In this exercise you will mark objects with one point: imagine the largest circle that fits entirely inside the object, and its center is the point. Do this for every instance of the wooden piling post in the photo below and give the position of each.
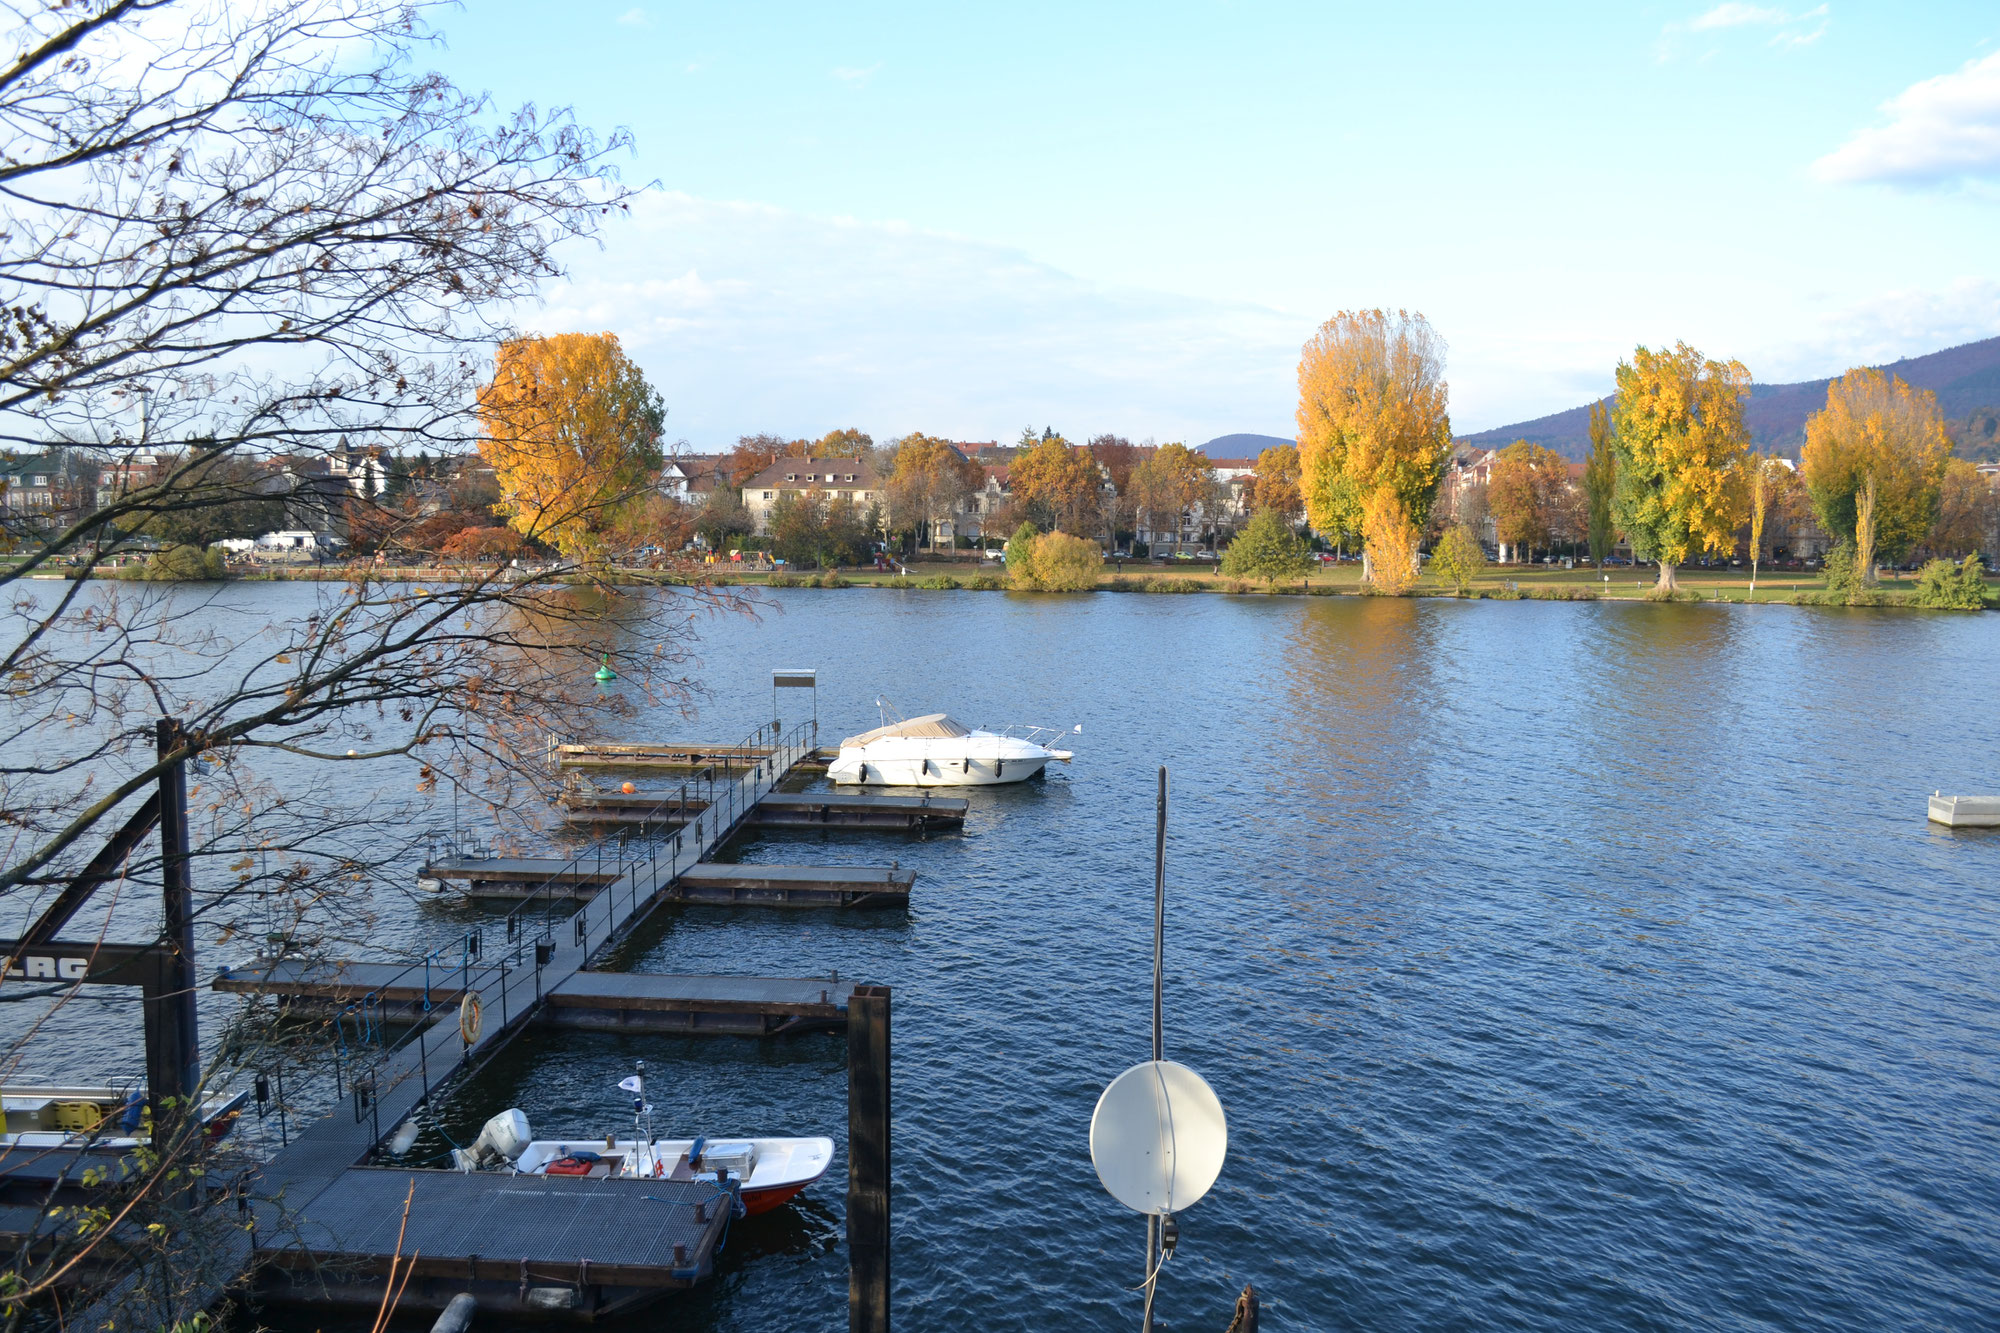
(868, 1160)
(173, 1050)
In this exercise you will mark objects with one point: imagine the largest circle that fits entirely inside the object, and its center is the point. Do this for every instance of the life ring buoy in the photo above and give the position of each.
(468, 1019)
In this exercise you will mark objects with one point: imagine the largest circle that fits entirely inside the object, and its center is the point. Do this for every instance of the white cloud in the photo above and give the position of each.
(850, 74)
(1737, 16)
(1942, 129)
(1787, 28)
(1882, 328)
(749, 318)
(635, 18)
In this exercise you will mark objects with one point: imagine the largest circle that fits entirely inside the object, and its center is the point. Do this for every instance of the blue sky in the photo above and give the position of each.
(1127, 218)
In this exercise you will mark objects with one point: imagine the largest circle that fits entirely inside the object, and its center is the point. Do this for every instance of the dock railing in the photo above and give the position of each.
(514, 980)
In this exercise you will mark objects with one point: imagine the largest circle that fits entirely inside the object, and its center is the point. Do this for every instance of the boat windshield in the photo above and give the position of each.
(931, 726)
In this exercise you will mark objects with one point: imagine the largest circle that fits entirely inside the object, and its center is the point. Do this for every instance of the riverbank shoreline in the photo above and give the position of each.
(1498, 583)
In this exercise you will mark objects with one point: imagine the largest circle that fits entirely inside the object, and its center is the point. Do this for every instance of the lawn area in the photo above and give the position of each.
(1619, 582)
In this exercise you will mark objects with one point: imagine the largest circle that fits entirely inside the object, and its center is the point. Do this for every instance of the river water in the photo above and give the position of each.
(1559, 965)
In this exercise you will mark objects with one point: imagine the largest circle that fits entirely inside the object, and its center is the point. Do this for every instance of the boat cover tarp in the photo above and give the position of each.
(931, 726)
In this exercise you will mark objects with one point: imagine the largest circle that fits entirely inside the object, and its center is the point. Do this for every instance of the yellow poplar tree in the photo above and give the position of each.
(1874, 425)
(1392, 542)
(572, 431)
(1374, 415)
(1678, 431)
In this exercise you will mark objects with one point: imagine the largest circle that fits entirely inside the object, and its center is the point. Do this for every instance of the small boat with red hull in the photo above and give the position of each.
(762, 1173)
(765, 1173)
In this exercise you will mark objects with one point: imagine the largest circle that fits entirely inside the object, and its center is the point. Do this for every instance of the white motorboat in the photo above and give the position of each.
(762, 1173)
(49, 1115)
(935, 751)
(765, 1172)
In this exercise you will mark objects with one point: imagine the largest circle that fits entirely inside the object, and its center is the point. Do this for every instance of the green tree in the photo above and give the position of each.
(184, 564)
(812, 532)
(1267, 549)
(1678, 430)
(209, 498)
(1600, 483)
(1950, 587)
(1458, 558)
(1058, 562)
(1020, 546)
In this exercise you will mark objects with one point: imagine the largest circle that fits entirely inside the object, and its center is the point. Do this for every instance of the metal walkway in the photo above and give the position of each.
(307, 1184)
(725, 884)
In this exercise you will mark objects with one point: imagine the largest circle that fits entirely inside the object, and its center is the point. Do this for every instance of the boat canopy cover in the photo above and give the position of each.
(931, 726)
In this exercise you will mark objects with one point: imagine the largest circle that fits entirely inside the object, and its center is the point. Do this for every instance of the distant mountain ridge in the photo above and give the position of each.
(1964, 378)
(1240, 445)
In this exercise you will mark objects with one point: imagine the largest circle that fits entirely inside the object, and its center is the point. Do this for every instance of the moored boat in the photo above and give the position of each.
(58, 1115)
(935, 751)
(763, 1173)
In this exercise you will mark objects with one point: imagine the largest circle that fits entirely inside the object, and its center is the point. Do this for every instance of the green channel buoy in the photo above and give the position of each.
(605, 672)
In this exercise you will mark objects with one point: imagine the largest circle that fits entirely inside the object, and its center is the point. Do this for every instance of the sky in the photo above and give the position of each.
(1127, 218)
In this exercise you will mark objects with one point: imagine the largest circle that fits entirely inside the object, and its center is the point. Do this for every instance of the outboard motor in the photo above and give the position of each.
(502, 1139)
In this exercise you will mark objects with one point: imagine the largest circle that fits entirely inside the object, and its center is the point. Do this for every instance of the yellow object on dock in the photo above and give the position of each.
(78, 1116)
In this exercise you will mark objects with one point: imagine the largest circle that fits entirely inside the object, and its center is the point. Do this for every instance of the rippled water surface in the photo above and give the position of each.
(1560, 966)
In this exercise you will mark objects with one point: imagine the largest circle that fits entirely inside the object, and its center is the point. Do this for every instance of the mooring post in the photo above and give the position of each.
(868, 1160)
(173, 1045)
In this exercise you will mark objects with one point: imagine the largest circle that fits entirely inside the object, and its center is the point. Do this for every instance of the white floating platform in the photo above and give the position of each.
(1966, 811)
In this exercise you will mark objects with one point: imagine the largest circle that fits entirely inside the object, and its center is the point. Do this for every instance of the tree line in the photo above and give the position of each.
(1670, 468)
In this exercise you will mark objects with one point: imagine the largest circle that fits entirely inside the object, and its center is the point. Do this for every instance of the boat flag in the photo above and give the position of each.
(629, 1084)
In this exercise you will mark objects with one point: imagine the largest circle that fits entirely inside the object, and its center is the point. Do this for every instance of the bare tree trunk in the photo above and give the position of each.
(1667, 582)
(1753, 576)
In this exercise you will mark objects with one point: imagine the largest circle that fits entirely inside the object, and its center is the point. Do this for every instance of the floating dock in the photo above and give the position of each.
(714, 883)
(721, 1004)
(808, 810)
(684, 755)
(576, 1247)
(693, 1005)
(1965, 811)
(319, 1221)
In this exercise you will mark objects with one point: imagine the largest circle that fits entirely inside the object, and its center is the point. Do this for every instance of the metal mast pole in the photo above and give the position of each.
(1159, 971)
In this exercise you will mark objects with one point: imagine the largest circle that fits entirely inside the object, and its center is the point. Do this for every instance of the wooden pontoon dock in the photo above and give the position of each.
(320, 1217)
(787, 810)
(713, 883)
(730, 1005)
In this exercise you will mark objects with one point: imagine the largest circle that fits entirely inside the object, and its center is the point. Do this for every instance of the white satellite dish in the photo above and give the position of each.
(1158, 1137)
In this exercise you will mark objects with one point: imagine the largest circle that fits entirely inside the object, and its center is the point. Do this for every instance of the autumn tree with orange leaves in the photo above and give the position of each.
(1058, 484)
(572, 430)
(1527, 494)
(1277, 481)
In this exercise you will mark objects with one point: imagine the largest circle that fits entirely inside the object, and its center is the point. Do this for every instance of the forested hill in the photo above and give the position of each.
(1966, 379)
(1240, 445)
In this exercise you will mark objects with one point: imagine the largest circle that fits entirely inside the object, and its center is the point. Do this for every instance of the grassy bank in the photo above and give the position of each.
(1497, 583)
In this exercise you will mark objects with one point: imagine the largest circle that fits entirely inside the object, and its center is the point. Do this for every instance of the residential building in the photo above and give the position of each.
(851, 479)
(55, 483)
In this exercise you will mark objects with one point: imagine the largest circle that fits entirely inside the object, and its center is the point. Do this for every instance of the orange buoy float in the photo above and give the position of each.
(628, 789)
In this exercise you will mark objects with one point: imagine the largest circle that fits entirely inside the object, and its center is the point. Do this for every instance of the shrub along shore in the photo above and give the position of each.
(1495, 583)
